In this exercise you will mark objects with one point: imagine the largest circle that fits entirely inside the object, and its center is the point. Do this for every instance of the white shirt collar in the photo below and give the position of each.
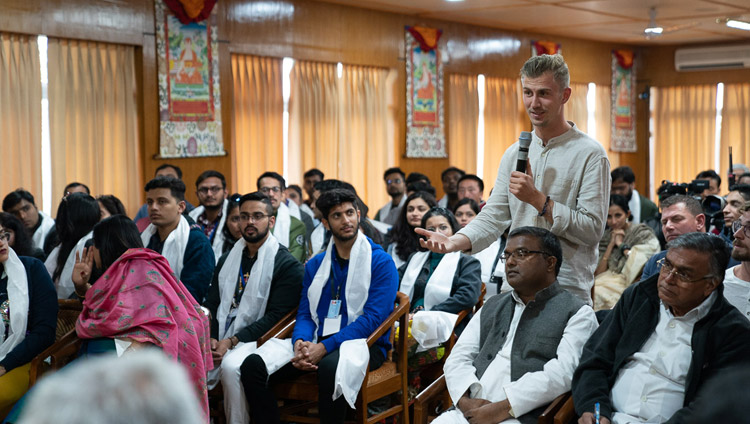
(699, 312)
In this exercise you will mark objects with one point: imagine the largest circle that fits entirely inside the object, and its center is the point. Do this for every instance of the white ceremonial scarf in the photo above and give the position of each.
(18, 300)
(439, 285)
(306, 210)
(283, 225)
(41, 233)
(218, 243)
(635, 207)
(255, 298)
(431, 328)
(293, 209)
(317, 238)
(64, 283)
(174, 245)
(385, 210)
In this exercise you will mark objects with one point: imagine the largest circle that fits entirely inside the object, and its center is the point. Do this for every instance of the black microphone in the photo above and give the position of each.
(524, 141)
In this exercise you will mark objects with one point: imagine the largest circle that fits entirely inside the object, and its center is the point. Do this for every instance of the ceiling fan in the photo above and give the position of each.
(654, 30)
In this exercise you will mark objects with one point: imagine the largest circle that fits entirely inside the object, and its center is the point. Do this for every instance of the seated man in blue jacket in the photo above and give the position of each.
(663, 340)
(347, 292)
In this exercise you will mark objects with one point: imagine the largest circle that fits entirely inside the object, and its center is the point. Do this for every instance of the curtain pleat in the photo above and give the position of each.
(603, 111)
(735, 127)
(503, 118)
(463, 120)
(576, 110)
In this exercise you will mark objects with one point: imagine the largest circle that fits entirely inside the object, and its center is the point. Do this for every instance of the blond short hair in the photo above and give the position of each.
(539, 65)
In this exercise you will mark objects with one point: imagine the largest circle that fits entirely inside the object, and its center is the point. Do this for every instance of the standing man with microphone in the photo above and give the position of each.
(564, 189)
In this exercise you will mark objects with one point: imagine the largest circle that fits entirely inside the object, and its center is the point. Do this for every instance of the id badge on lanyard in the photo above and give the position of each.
(332, 322)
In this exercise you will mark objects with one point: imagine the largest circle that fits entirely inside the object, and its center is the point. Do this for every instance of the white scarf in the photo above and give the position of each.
(385, 210)
(255, 298)
(41, 233)
(317, 238)
(293, 209)
(635, 207)
(64, 283)
(306, 210)
(283, 225)
(174, 245)
(18, 299)
(218, 243)
(438, 287)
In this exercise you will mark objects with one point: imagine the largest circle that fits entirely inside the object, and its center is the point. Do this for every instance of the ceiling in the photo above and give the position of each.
(603, 20)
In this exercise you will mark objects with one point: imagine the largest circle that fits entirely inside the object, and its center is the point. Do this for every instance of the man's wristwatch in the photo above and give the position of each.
(624, 247)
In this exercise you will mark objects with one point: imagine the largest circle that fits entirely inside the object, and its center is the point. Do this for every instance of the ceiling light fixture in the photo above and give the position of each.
(734, 23)
(653, 30)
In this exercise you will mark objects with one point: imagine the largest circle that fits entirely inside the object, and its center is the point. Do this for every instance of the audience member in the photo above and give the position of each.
(623, 251)
(738, 195)
(417, 177)
(744, 178)
(110, 205)
(402, 240)
(471, 187)
(232, 229)
(18, 239)
(185, 247)
(449, 177)
(419, 185)
(311, 178)
(465, 211)
(38, 224)
(298, 207)
(163, 170)
(272, 278)
(520, 351)
(28, 306)
(396, 187)
(143, 388)
(294, 193)
(737, 278)
(211, 212)
(289, 230)
(76, 187)
(623, 184)
(714, 181)
(348, 291)
(664, 339)
(138, 302)
(76, 217)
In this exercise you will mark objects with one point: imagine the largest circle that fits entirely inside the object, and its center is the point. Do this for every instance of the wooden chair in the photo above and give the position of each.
(62, 351)
(439, 390)
(301, 395)
(566, 413)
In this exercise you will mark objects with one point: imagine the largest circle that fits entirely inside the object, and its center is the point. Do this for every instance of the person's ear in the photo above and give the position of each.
(551, 263)
(271, 221)
(700, 220)
(566, 95)
(181, 206)
(325, 224)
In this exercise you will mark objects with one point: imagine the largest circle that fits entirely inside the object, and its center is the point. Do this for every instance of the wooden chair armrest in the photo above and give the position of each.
(278, 327)
(567, 412)
(286, 332)
(60, 348)
(398, 312)
(548, 416)
(425, 397)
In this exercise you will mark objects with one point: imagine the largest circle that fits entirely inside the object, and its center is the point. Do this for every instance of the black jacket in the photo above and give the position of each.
(720, 340)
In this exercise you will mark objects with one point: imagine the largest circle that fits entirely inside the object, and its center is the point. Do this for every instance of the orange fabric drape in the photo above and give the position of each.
(257, 127)
(504, 119)
(94, 119)
(463, 120)
(684, 132)
(576, 110)
(313, 120)
(735, 127)
(20, 115)
(603, 116)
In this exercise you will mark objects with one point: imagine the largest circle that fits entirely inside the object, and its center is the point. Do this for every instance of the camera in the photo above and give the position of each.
(694, 188)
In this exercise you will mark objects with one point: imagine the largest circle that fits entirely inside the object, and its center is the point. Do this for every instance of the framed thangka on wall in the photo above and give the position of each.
(623, 102)
(189, 94)
(425, 134)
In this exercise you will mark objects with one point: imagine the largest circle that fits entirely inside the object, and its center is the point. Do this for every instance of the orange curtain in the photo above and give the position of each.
(735, 126)
(463, 119)
(20, 115)
(94, 119)
(576, 110)
(313, 120)
(257, 127)
(504, 119)
(684, 132)
(363, 145)
(603, 116)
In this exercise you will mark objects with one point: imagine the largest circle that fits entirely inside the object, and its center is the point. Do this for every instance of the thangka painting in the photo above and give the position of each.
(425, 134)
(539, 48)
(189, 95)
(623, 102)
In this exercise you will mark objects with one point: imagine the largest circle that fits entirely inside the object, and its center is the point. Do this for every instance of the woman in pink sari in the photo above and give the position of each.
(138, 301)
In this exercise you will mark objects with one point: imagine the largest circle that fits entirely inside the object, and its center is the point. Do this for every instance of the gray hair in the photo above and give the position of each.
(539, 65)
(714, 246)
(143, 387)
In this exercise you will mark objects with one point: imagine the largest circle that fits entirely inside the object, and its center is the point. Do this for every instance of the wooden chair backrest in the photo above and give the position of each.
(67, 315)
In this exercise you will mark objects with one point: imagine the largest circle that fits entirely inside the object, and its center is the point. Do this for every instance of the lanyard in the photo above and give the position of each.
(242, 283)
(336, 276)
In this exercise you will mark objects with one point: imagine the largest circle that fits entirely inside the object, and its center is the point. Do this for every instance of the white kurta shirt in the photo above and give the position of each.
(737, 292)
(530, 391)
(650, 387)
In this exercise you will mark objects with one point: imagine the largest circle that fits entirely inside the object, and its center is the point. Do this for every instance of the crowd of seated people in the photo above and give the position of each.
(204, 286)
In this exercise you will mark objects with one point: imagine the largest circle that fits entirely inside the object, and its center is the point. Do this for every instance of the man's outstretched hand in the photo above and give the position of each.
(440, 243)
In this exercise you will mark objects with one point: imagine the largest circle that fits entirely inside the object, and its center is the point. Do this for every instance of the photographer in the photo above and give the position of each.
(738, 195)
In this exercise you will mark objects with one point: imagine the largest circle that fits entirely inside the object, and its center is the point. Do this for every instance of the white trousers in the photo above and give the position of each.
(235, 404)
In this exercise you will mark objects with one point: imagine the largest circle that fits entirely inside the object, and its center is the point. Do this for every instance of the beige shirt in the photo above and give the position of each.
(573, 169)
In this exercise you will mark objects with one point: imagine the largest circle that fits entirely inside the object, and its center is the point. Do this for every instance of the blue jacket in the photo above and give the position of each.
(197, 265)
(380, 300)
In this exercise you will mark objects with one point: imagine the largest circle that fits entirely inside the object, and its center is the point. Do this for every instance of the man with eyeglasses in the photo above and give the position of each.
(395, 184)
(288, 229)
(255, 284)
(211, 214)
(663, 340)
(20, 203)
(737, 278)
(519, 352)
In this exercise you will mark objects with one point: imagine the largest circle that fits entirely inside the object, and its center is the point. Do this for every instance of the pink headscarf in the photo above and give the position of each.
(139, 297)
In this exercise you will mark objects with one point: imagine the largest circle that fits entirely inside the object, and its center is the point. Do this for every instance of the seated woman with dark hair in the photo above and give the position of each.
(232, 231)
(28, 310)
(402, 241)
(138, 302)
(19, 238)
(110, 205)
(623, 251)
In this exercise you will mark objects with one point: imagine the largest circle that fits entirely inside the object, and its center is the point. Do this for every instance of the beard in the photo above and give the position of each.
(740, 255)
(345, 237)
(214, 207)
(260, 235)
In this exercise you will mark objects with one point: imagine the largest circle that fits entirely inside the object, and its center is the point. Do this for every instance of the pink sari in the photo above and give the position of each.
(139, 297)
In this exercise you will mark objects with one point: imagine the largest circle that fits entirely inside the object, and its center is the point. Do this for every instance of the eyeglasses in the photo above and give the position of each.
(520, 254)
(5, 237)
(255, 217)
(394, 181)
(204, 190)
(667, 269)
(267, 190)
(737, 225)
